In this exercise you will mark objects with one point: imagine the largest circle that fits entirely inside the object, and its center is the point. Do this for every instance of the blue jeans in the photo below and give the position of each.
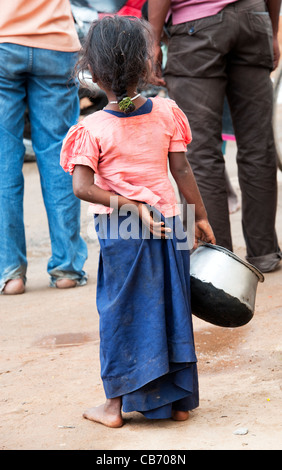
(41, 79)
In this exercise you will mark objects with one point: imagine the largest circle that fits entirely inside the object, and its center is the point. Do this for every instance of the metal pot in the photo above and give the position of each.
(223, 286)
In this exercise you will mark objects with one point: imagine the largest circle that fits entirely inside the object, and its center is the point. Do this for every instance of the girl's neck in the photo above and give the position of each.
(132, 93)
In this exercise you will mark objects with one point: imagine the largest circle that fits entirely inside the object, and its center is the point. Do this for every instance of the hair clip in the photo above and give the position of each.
(126, 104)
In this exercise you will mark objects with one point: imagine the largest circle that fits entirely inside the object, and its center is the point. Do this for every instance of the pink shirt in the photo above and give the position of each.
(129, 155)
(188, 10)
(47, 24)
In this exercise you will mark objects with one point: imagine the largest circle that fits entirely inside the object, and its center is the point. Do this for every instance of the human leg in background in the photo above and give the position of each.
(13, 262)
(233, 203)
(227, 135)
(54, 108)
(196, 79)
(250, 96)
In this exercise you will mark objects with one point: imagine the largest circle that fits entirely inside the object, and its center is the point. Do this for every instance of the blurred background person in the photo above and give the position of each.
(218, 48)
(38, 51)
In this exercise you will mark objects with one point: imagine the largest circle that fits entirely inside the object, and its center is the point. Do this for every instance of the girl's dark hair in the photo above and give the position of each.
(118, 51)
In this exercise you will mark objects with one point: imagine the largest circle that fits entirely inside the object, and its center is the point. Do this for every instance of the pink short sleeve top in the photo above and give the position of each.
(129, 154)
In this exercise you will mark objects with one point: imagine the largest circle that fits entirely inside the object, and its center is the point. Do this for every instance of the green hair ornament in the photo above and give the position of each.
(126, 105)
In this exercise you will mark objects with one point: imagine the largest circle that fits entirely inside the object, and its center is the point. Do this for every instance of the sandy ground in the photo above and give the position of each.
(50, 373)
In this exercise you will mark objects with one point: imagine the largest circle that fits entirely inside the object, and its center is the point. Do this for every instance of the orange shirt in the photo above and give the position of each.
(47, 24)
(129, 154)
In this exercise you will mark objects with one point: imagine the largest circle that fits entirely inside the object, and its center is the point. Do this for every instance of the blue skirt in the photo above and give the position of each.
(147, 348)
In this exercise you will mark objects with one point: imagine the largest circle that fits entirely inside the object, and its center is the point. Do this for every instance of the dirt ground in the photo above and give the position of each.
(50, 373)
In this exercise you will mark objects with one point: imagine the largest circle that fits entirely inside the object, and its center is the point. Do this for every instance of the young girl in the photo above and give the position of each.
(148, 361)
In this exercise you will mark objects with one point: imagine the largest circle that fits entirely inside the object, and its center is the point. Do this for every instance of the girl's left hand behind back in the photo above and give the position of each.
(157, 228)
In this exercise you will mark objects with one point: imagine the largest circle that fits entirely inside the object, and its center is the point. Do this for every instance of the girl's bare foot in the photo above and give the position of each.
(180, 415)
(108, 414)
(14, 287)
(65, 283)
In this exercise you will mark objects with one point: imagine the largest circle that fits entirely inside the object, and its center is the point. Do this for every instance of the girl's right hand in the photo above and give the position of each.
(158, 229)
(203, 232)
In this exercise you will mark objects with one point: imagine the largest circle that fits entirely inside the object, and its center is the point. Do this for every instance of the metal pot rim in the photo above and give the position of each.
(255, 270)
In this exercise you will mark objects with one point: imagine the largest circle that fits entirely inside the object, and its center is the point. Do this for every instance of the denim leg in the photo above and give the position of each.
(13, 263)
(54, 107)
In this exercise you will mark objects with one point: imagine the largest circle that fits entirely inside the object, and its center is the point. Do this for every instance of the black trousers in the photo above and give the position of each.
(230, 54)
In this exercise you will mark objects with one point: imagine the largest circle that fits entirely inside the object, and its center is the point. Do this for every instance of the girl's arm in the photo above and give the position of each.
(185, 180)
(85, 189)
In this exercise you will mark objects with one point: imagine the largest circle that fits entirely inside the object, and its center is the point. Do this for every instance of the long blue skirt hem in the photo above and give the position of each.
(147, 348)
